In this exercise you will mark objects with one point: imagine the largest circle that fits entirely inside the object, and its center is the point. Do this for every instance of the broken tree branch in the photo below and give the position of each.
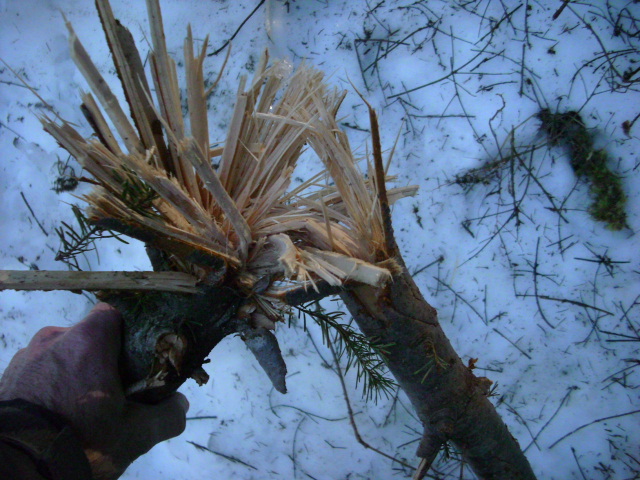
(451, 402)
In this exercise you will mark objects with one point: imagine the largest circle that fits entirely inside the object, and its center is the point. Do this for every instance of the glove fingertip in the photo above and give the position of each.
(173, 412)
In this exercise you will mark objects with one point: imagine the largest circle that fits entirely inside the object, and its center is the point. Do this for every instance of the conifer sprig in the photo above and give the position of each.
(80, 240)
(366, 356)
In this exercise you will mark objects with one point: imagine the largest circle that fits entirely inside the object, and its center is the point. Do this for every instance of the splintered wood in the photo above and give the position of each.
(157, 183)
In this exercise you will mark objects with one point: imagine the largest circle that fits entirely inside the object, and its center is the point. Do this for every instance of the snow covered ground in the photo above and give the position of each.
(523, 278)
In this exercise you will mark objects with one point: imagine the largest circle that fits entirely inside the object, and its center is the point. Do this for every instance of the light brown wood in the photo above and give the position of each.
(176, 282)
(103, 92)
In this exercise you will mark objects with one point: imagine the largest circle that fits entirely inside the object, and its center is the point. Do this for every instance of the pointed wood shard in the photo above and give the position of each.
(264, 345)
(103, 92)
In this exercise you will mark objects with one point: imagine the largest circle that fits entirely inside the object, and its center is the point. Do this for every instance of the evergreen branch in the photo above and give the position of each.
(75, 242)
(367, 356)
(136, 194)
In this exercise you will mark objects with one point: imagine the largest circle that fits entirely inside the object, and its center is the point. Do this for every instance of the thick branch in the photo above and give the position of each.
(167, 337)
(450, 401)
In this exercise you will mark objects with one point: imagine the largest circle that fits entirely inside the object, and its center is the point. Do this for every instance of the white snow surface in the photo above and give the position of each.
(555, 366)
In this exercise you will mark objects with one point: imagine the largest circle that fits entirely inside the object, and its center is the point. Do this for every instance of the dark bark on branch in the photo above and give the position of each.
(167, 337)
(450, 401)
(167, 330)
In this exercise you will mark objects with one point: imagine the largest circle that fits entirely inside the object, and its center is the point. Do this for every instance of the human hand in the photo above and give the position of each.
(74, 373)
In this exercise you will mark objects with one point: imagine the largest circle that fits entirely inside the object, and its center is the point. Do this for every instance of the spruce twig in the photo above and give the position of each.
(76, 242)
(336, 353)
(366, 356)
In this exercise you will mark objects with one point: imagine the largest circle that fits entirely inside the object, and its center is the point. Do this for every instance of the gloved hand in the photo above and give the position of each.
(74, 373)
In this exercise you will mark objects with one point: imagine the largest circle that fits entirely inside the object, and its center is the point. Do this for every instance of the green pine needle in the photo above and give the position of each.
(367, 356)
(136, 194)
(75, 242)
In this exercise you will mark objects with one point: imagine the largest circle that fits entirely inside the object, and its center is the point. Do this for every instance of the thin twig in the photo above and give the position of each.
(566, 300)
(603, 419)
(448, 287)
(216, 52)
(524, 422)
(2, 125)
(352, 420)
(559, 11)
(575, 457)
(312, 415)
(535, 286)
(562, 402)
(512, 343)
(226, 457)
(33, 214)
(293, 447)
(453, 72)
(438, 260)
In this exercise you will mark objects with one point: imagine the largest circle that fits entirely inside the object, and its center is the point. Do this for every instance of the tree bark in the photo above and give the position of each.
(167, 337)
(451, 402)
